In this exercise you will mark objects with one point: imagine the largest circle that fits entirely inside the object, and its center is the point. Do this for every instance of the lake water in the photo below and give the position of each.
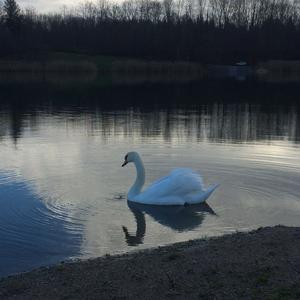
(62, 188)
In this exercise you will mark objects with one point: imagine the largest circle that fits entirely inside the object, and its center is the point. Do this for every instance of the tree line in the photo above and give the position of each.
(208, 31)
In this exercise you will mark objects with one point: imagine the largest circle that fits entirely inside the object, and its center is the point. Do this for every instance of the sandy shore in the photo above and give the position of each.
(262, 264)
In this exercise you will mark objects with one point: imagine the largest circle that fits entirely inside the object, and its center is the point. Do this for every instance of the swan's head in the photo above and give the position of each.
(130, 157)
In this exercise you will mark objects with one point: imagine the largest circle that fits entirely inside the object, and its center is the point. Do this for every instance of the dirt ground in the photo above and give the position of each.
(262, 264)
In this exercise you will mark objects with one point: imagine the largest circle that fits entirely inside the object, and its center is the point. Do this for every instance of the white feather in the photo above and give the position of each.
(181, 186)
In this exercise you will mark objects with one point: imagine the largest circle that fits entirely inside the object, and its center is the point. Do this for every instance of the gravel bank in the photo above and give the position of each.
(262, 264)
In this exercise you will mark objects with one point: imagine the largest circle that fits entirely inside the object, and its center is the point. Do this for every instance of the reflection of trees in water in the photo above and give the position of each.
(14, 120)
(216, 122)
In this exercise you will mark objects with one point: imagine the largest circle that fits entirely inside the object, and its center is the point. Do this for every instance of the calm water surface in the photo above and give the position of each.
(63, 191)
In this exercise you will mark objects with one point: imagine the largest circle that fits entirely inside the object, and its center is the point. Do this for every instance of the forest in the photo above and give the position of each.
(206, 31)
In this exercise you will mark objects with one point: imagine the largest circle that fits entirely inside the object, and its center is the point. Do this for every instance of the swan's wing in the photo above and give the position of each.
(179, 183)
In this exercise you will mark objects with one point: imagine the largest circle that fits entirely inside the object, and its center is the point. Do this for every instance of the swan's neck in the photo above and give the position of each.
(140, 179)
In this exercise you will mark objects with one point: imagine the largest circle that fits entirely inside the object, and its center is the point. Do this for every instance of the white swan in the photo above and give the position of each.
(180, 187)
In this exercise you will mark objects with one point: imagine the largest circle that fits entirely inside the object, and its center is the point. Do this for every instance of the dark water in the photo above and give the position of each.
(62, 188)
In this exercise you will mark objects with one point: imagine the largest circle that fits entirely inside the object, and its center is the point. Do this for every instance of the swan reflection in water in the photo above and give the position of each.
(179, 218)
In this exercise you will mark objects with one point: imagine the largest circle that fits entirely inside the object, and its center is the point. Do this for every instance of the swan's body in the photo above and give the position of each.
(180, 187)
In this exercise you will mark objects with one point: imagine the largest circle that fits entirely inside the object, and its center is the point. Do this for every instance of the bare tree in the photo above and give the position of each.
(179, 5)
(102, 10)
(239, 12)
(116, 12)
(29, 13)
(296, 11)
(284, 10)
(129, 10)
(1, 12)
(168, 9)
(252, 14)
(155, 11)
(221, 11)
(202, 9)
(190, 9)
(87, 10)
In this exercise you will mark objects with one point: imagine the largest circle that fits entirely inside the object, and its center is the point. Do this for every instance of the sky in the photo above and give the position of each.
(48, 6)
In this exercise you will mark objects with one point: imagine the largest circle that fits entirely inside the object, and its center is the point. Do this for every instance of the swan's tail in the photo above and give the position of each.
(203, 196)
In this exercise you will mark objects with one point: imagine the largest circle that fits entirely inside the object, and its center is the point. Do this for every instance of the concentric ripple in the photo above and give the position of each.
(31, 233)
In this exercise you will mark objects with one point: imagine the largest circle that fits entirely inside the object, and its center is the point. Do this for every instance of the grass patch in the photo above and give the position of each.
(154, 67)
(284, 294)
(101, 62)
(279, 66)
(65, 66)
(57, 62)
(50, 66)
(263, 278)
(82, 63)
(14, 288)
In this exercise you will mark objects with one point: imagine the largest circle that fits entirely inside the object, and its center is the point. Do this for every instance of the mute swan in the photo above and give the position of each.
(180, 187)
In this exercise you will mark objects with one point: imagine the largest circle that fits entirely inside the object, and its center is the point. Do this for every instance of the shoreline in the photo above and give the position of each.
(88, 64)
(92, 64)
(261, 264)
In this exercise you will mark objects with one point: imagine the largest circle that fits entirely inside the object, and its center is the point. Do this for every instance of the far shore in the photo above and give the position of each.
(75, 63)
(78, 63)
(261, 264)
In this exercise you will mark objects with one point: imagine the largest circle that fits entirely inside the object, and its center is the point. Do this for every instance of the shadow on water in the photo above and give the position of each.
(178, 218)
